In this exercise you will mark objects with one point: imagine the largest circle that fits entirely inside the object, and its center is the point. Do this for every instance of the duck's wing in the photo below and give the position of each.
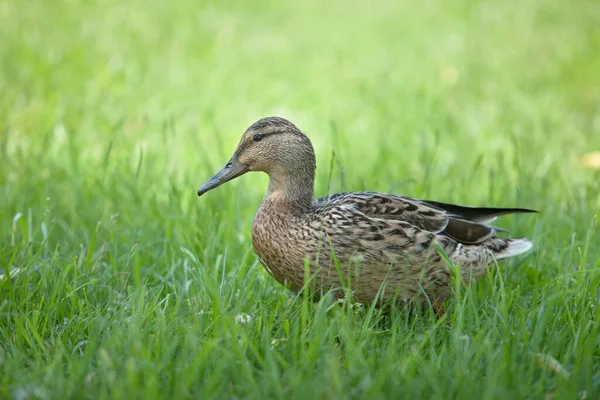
(482, 215)
(465, 224)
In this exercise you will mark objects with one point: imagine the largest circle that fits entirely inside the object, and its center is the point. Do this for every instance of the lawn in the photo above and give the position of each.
(119, 282)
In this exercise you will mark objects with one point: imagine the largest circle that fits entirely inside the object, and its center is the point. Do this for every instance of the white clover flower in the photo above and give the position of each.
(243, 319)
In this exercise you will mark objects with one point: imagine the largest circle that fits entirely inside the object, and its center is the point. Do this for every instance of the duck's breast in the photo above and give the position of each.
(282, 245)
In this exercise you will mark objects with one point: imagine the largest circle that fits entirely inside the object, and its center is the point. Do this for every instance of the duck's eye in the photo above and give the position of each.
(228, 165)
(258, 137)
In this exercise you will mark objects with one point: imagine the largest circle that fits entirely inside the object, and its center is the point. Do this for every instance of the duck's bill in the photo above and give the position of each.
(231, 170)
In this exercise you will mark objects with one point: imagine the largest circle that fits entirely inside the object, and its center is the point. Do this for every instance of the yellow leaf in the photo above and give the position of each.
(591, 160)
(546, 361)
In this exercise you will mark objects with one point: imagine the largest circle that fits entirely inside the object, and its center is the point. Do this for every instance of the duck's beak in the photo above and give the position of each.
(231, 170)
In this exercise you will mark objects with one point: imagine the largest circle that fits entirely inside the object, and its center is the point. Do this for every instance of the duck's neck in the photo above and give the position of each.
(291, 192)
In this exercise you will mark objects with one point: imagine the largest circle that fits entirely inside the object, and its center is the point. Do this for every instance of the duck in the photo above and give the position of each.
(374, 247)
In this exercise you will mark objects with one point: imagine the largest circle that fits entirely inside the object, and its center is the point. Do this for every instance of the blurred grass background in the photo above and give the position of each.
(113, 113)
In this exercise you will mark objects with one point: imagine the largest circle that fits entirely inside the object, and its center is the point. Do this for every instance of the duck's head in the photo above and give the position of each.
(273, 145)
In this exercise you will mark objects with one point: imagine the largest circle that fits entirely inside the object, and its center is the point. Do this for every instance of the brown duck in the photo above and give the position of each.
(379, 246)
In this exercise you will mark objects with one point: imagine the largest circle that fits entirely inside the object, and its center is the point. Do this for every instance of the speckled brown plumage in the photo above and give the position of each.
(376, 244)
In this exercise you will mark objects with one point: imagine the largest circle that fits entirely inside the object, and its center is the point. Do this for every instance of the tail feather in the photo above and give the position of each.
(513, 248)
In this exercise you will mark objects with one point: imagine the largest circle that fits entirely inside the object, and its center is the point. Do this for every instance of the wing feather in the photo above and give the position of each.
(467, 225)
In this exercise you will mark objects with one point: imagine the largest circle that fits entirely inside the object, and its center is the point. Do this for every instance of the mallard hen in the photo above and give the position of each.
(379, 246)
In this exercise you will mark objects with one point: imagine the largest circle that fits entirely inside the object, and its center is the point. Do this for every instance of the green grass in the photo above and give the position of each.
(113, 113)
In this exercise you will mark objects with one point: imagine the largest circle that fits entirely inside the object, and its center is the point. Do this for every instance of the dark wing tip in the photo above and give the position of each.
(477, 214)
(519, 210)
